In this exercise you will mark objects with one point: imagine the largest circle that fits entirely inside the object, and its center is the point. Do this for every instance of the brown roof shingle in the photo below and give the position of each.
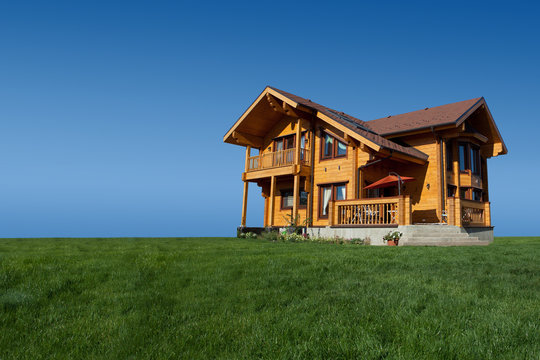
(435, 116)
(360, 127)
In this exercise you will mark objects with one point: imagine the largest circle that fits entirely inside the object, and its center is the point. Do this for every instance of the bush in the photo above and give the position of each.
(294, 237)
(248, 235)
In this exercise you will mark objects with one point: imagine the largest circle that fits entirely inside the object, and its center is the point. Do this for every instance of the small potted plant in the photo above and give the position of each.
(392, 238)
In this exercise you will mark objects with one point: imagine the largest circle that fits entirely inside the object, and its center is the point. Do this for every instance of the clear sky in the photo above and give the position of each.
(112, 114)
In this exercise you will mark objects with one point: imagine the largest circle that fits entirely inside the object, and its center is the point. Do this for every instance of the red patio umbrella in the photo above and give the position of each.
(388, 181)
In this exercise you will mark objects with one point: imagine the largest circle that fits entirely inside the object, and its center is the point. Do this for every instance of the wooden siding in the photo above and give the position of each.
(427, 192)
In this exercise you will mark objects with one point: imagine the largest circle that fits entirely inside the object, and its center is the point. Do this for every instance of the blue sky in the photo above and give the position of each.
(112, 113)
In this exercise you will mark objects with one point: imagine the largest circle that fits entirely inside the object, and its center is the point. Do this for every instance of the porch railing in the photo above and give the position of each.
(277, 159)
(463, 212)
(379, 211)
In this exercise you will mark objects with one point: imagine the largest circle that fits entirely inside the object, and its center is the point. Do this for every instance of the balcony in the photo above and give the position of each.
(277, 163)
(277, 159)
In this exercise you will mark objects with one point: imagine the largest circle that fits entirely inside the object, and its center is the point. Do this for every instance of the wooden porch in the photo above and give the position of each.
(394, 211)
(389, 211)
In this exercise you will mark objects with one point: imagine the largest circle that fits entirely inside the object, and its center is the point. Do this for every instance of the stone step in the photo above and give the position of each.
(431, 235)
(444, 241)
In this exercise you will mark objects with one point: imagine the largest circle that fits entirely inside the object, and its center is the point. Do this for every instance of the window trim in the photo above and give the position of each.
(450, 156)
(332, 186)
(281, 191)
(335, 139)
(468, 168)
(469, 193)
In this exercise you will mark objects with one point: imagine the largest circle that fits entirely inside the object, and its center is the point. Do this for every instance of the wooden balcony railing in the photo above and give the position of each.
(277, 158)
(463, 212)
(472, 212)
(379, 211)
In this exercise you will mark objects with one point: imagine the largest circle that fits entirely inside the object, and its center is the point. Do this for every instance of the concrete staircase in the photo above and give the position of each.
(438, 235)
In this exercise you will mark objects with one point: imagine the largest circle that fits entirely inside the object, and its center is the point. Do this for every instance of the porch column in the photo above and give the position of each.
(244, 204)
(270, 220)
(361, 182)
(457, 196)
(331, 213)
(296, 196)
(354, 174)
(246, 185)
(487, 214)
(455, 157)
(298, 142)
(443, 178)
(439, 179)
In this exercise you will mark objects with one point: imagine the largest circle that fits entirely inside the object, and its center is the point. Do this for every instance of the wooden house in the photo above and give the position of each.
(351, 178)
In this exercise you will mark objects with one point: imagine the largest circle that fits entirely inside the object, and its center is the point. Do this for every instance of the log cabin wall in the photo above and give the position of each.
(330, 171)
(425, 202)
(425, 190)
(281, 214)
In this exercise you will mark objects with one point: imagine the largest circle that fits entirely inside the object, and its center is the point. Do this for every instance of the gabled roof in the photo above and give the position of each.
(352, 126)
(372, 133)
(426, 118)
(452, 115)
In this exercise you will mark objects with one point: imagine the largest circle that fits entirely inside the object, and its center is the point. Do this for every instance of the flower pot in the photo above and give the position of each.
(393, 242)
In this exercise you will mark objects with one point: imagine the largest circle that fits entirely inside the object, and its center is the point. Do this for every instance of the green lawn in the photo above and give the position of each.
(237, 298)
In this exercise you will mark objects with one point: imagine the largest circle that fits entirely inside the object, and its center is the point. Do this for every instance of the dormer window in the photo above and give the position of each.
(332, 147)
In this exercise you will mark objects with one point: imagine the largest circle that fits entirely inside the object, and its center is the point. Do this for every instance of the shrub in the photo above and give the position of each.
(357, 241)
(294, 237)
(248, 235)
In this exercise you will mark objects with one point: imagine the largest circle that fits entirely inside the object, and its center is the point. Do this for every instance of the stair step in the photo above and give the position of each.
(448, 243)
(457, 235)
(444, 241)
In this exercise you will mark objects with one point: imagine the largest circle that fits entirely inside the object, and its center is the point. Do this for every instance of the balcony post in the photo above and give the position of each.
(296, 196)
(244, 204)
(457, 212)
(270, 214)
(455, 157)
(298, 142)
(331, 213)
(407, 201)
(487, 214)
(248, 154)
(401, 211)
(451, 211)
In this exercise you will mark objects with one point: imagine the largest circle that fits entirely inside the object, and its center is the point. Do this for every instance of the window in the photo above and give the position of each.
(328, 146)
(287, 198)
(464, 193)
(449, 156)
(284, 143)
(330, 192)
(451, 191)
(470, 193)
(475, 160)
(463, 157)
(469, 158)
(477, 195)
(332, 147)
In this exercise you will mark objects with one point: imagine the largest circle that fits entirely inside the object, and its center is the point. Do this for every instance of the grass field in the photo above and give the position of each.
(237, 298)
